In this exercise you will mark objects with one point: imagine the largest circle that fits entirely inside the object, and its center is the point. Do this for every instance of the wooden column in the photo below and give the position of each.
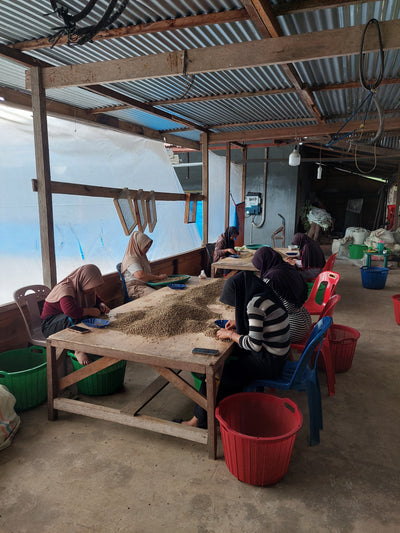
(41, 141)
(396, 209)
(205, 178)
(244, 166)
(227, 183)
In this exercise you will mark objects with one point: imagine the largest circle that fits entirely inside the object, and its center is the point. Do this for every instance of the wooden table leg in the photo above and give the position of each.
(211, 421)
(52, 379)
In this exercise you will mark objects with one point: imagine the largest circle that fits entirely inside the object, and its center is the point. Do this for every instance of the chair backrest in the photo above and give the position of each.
(313, 345)
(126, 295)
(29, 300)
(328, 279)
(330, 306)
(329, 263)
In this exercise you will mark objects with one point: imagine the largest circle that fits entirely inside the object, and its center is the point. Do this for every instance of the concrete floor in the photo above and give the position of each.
(80, 475)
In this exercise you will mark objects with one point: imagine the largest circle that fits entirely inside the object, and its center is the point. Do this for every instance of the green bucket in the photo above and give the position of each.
(24, 373)
(106, 381)
(356, 251)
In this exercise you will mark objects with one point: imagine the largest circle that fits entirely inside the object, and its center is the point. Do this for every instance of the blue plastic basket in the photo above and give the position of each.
(373, 277)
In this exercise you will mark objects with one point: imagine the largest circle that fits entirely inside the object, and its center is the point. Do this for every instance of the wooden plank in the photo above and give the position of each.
(391, 124)
(145, 396)
(286, 49)
(182, 385)
(139, 421)
(223, 17)
(42, 157)
(86, 371)
(77, 189)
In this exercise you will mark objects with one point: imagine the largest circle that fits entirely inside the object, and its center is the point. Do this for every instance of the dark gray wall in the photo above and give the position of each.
(279, 189)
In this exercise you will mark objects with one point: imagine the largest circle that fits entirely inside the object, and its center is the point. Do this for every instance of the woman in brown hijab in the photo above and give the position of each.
(72, 299)
(136, 268)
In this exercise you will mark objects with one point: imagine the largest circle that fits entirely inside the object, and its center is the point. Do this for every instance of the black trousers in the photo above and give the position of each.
(238, 373)
(55, 323)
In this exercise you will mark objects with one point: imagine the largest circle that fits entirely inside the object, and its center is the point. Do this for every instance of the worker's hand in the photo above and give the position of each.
(231, 324)
(291, 260)
(230, 251)
(162, 276)
(224, 333)
(104, 308)
(92, 311)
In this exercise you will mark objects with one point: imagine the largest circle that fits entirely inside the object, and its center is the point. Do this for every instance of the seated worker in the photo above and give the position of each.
(289, 285)
(261, 333)
(72, 299)
(311, 256)
(136, 268)
(225, 243)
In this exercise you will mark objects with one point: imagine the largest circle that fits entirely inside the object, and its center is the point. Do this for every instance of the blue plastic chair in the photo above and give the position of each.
(298, 375)
(127, 298)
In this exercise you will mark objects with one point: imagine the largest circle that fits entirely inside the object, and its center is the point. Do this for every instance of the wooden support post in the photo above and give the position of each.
(396, 210)
(227, 183)
(244, 158)
(205, 179)
(41, 141)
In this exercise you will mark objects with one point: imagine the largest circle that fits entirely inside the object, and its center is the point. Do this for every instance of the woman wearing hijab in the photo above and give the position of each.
(311, 256)
(225, 243)
(289, 285)
(261, 332)
(135, 266)
(72, 299)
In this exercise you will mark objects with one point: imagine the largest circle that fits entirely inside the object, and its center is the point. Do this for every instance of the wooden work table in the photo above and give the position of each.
(166, 355)
(243, 262)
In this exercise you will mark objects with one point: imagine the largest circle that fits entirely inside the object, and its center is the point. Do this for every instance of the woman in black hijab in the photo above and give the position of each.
(261, 332)
(225, 243)
(289, 285)
(311, 256)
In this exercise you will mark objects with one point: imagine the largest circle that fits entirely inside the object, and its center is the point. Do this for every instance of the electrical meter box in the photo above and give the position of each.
(252, 203)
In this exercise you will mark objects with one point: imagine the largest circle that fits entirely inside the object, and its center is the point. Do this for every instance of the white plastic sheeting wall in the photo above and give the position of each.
(87, 230)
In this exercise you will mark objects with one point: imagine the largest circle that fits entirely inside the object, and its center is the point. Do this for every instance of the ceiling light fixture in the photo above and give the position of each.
(319, 171)
(294, 157)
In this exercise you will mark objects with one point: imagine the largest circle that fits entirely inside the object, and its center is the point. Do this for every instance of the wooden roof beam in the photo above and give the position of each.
(68, 112)
(159, 26)
(261, 14)
(391, 124)
(301, 6)
(293, 48)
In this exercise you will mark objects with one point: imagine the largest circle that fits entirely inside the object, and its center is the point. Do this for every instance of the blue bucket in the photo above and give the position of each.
(373, 277)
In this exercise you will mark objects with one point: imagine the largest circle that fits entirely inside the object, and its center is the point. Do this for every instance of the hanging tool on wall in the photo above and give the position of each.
(280, 232)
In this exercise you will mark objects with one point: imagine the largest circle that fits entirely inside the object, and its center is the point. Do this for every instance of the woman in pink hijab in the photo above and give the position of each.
(135, 266)
(72, 299)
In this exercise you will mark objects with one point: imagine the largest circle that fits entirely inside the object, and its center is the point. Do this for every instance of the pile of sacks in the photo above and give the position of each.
(369, 238)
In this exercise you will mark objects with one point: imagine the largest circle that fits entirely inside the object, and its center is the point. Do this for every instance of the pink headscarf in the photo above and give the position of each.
(135, 252)
(84, 278)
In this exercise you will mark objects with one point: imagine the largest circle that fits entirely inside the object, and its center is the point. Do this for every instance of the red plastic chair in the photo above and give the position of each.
(330, 263)
(329, 280)
(325, 347)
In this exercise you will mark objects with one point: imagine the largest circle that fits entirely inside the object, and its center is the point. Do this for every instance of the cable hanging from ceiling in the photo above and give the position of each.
(79, 36)
(369, 98)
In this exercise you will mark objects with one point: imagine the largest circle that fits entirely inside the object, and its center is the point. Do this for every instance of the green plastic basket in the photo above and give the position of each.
(356, 251)
(106, 381)
(24, 373)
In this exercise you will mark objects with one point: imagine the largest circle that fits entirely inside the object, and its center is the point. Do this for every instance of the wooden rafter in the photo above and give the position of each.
(293, 48)
(160, 26)
(261, 14)
(301, 6)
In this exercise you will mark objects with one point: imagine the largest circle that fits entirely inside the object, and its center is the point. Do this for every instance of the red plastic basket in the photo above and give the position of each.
(342, 342)
(258, 432)
(396, 306)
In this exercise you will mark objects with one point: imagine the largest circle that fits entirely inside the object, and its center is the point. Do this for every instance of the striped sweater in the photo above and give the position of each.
(268, 327)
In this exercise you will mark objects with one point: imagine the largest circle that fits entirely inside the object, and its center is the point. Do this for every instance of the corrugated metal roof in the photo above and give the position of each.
(21, 21)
